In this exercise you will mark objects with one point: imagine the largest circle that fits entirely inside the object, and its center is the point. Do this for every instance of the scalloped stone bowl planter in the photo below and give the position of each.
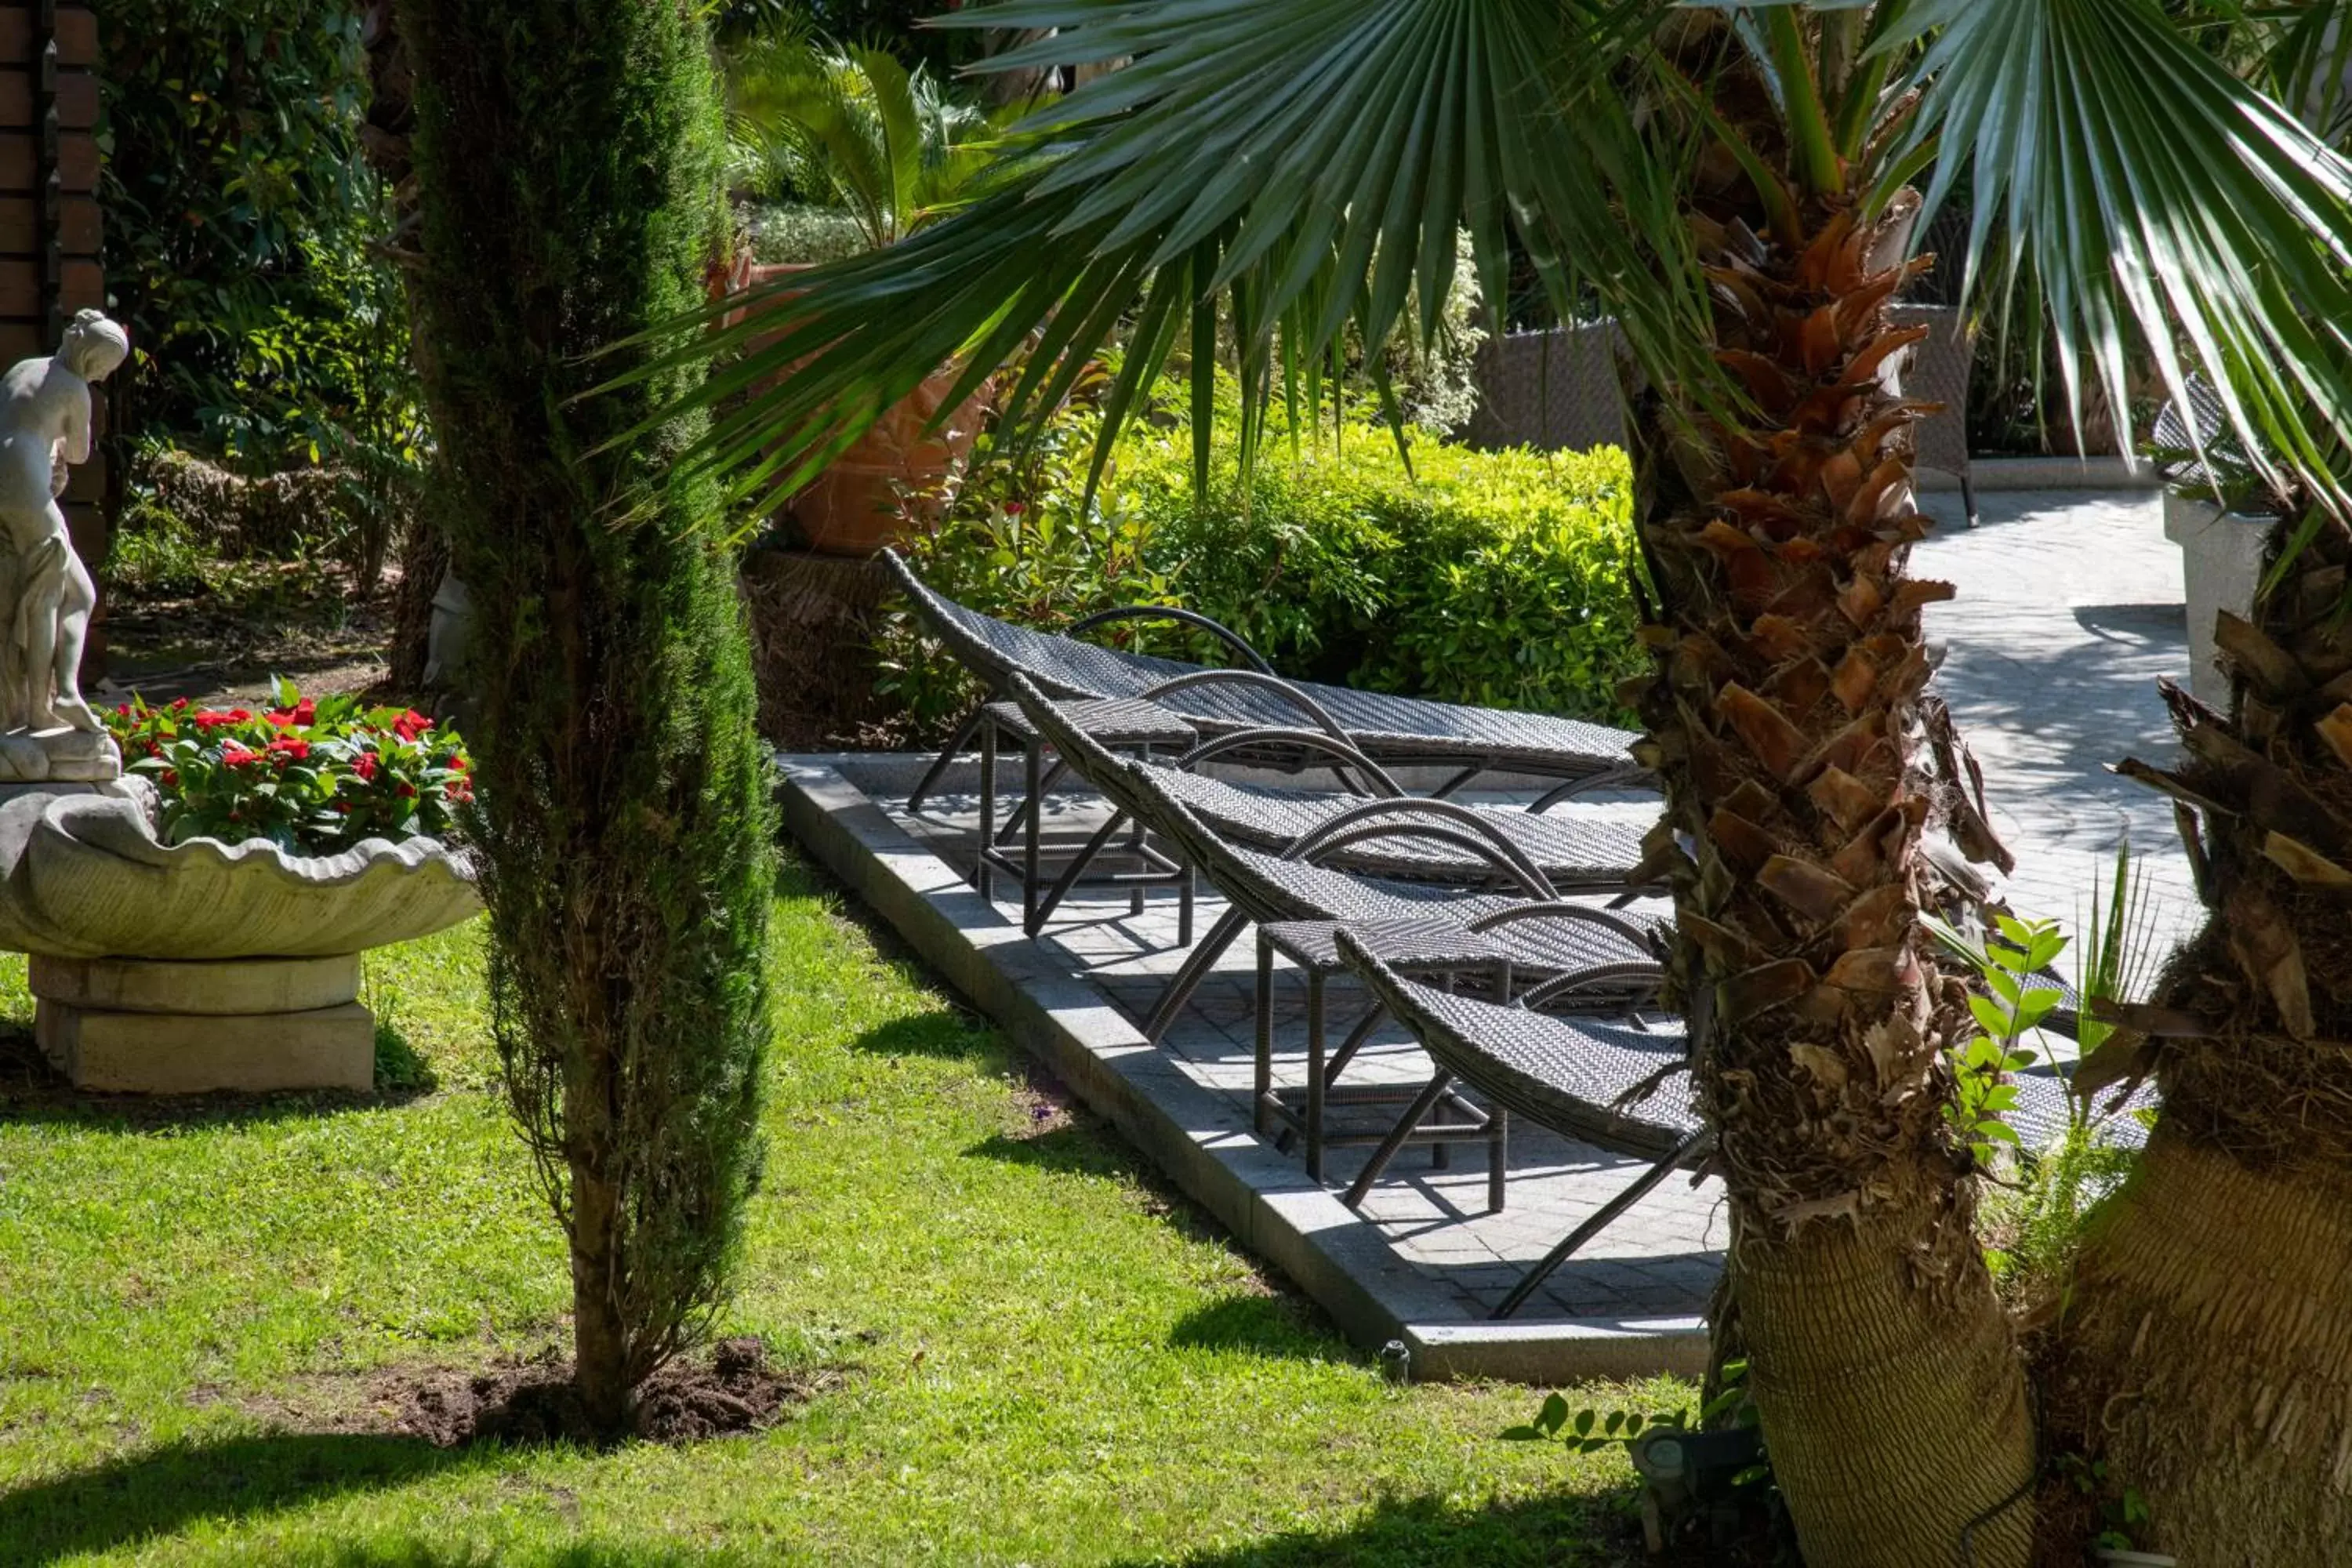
(182, 968)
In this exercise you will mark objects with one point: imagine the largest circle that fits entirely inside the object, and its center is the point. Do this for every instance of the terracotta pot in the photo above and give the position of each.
(893, 477)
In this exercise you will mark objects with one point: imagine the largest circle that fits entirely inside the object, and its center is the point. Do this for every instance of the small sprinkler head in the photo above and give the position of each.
(1396, 1362)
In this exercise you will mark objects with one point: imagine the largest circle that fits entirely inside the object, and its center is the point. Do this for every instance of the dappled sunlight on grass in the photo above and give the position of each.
(1044, 1354)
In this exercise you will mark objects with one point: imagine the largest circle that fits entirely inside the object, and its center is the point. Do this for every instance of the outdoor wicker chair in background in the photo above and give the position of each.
(1394, 731)
(1555, 391)
(1558, 391)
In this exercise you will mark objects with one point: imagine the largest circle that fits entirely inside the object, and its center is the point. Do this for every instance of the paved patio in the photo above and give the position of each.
(2069, 608)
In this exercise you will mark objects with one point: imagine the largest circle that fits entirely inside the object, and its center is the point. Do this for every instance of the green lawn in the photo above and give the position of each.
(1039, 1357)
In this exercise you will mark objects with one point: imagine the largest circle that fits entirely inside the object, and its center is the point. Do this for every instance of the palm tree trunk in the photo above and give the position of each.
(1783, 721)
(2210, 1362)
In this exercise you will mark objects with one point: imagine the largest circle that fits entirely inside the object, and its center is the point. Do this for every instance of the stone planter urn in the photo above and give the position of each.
(176, 969)
(2222, 566)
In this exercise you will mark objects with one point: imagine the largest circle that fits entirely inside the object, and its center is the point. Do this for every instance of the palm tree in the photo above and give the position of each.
(1735, 188)
(851, 126)
(2236, 1344)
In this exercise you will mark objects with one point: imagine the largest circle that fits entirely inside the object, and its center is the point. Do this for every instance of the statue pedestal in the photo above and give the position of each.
(162, 1026)
(46, 756)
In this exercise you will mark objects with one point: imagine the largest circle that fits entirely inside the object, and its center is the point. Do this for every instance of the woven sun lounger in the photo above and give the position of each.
(1586, 849)
(1293, 885)
(1395, 731)
(1589, 848)
(1620, 1085)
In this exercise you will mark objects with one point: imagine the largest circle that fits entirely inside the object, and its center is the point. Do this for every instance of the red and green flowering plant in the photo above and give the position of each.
(312, 776)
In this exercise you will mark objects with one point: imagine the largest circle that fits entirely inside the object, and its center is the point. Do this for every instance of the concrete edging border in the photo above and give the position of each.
(1200, 1140)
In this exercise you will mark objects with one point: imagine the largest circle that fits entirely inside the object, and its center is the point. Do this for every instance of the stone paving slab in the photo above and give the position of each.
(2070, 606)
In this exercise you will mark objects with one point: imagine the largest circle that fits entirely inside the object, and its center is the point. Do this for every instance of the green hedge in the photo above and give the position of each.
(1502, 578)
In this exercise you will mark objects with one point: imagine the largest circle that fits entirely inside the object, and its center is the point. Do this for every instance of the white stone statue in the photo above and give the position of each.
(45, 427)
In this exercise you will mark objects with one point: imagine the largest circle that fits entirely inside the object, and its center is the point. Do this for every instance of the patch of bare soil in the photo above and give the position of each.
(729, 1389)
(218, 641)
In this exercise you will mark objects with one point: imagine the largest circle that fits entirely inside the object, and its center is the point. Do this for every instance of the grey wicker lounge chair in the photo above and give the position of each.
(1592, 849)
(1296, 883)
(1395, 731)
(1616, 1085)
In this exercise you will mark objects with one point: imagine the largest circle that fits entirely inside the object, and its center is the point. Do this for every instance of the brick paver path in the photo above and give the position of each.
(2069, 609)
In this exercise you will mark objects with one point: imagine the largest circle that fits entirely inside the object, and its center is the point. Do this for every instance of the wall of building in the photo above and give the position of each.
(50, 222)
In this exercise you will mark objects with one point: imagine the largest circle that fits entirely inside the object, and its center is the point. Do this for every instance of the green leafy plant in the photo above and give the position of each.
(1501, 578)
(2010, 1004)
(2122, 1513)
(2120, 947)
(313, 777)
(848, 125)
(1590, 1430)
(241, 232)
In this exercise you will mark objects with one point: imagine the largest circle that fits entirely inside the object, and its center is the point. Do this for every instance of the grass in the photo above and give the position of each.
(1035, 1354)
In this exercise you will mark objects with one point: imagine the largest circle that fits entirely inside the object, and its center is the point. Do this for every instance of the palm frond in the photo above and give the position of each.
(1309, 162)
(2156, 199)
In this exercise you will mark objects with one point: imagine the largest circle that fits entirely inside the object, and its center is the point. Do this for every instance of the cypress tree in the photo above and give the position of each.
(567, 155)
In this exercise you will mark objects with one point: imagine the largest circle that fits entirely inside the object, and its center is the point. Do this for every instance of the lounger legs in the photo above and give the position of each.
(1196, 969)
(1420, 1106)
(1602, 1219)
(945, 759)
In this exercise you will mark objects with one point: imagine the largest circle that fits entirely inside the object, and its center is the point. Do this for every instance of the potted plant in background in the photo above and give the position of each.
(851, 128)
(2219, 509)
(216, 945)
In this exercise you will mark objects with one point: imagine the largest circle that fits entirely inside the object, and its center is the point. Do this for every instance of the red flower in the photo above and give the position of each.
(171, 778)
(342, 805)
(154, 750)
(213, 718)
(411, 724)
(178, 705)
(458, 764)
(460, 793)
(302, 712)
(237, 756)
(287, 749)
(123, 712)
(1013, 508)
(407, 790)
(365, 766)
(240, 715)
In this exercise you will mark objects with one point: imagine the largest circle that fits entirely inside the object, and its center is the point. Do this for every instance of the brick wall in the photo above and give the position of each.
(49, 225)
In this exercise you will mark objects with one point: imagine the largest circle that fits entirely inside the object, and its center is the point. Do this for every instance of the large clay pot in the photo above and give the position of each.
(894, 475)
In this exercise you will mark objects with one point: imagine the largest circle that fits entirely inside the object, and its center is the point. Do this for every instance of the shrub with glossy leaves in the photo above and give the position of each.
(1498, 578)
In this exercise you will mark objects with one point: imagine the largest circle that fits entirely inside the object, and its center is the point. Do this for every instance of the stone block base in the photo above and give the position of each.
(143, 1026)
(209, 988)
(183, 1053)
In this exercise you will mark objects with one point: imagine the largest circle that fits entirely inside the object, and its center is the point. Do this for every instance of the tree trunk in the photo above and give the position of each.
(1783, 721)
(599, 1333)
(2209, 1363)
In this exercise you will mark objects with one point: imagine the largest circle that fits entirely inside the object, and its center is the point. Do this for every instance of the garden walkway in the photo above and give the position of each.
(2069, 608)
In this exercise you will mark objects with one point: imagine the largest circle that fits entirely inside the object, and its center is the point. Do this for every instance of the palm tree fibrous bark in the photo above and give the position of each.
(2215, 1378)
